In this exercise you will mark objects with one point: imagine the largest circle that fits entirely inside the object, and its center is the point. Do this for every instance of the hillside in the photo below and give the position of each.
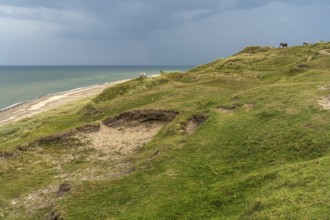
(244, 137)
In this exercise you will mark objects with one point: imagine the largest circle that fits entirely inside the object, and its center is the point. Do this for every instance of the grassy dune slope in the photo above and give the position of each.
(263, 151)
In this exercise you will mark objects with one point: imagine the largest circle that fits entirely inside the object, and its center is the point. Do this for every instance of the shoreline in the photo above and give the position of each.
(48, 102)
(57, 93)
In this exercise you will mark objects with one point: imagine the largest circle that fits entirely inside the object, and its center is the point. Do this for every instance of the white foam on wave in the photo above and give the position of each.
(12, 106)
(57, 95)
(53, 97)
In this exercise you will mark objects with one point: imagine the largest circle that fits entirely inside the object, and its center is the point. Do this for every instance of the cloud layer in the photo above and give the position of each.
(151, 31)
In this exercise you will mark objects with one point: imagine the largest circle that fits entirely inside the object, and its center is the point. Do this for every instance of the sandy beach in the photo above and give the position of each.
(49, 102)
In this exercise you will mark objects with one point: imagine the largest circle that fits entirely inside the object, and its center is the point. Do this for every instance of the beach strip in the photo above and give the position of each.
(49, 102)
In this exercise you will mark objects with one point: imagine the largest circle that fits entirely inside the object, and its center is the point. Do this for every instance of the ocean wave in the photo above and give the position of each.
(12, 106)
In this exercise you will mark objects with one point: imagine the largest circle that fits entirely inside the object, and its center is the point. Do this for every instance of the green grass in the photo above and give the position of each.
(266, 158)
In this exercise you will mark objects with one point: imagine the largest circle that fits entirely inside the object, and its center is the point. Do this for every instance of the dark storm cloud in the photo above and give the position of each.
(33, 3)
(135, 18)
(151, 31)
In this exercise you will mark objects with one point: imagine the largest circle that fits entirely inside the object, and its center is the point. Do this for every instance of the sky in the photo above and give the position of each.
(152, 32)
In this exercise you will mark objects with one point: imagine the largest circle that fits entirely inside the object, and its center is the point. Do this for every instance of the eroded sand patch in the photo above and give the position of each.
(325, 87)
(103, 148)
(119, 136)
(121, 141)
(325, 102)
(320, 52)
(194, 122)
(324, 52)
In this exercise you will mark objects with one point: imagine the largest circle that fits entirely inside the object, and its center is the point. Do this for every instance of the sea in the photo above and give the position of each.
(19, 84)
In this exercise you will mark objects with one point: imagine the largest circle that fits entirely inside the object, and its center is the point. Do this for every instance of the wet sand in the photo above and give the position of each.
(50, 102)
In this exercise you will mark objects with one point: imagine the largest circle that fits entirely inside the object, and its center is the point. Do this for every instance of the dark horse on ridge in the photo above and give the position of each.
(283, 45)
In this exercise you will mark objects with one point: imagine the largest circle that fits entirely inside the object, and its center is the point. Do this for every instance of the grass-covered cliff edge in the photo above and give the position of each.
(245, 137)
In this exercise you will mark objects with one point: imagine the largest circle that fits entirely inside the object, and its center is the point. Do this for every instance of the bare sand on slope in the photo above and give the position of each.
(50, 102)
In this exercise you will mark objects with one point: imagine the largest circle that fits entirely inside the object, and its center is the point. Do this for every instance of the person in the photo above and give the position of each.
(143, 75)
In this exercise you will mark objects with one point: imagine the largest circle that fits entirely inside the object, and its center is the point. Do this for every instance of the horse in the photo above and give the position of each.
(283, 45)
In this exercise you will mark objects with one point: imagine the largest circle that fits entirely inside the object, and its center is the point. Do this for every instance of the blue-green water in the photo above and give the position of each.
(21, 83)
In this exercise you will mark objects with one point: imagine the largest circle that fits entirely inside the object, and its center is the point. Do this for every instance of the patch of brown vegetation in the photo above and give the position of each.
(194, 122)
(38, 199)
(56, 215)
(63, 188)
(226, 109)
(62, 138)
(89, 128)
(6, 155)
(249, 106)
(140, 117)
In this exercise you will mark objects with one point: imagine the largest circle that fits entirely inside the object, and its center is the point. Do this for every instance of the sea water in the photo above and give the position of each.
(19, 84)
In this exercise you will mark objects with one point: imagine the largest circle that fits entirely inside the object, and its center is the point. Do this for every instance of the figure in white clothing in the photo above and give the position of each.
(143, 75)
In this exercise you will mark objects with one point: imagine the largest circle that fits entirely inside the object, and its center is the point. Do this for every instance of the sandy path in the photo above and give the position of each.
(49, 102)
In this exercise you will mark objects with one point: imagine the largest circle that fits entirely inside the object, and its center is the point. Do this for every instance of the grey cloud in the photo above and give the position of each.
(132, 18)
(151, 31)
(34, 3)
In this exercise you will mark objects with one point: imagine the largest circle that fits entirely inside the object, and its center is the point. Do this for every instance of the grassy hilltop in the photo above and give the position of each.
(245, 137)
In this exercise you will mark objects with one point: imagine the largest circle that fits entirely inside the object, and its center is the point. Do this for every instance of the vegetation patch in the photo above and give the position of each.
(130, 87)
(254, 49)
(122, 156)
